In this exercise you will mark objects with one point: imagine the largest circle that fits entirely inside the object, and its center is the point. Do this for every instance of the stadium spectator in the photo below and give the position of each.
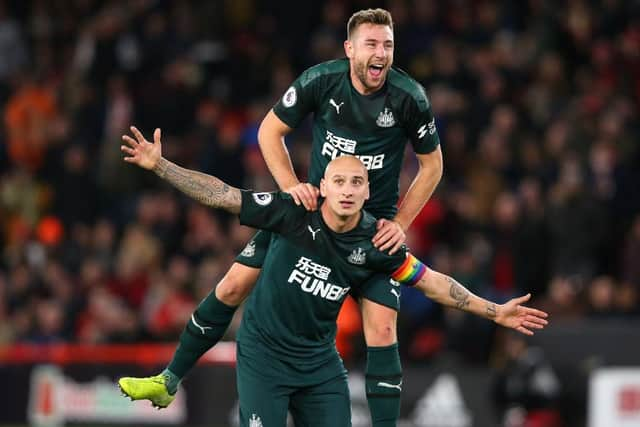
(537, 105)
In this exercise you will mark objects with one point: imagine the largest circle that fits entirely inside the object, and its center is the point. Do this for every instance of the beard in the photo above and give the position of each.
(361, 69)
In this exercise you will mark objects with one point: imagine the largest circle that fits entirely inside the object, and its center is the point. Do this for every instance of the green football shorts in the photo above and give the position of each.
(254, 253)
(380, 288)
(267, 391)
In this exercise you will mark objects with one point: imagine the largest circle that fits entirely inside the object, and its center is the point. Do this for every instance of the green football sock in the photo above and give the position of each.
(171, 381)
(384, 385)
(205, 328)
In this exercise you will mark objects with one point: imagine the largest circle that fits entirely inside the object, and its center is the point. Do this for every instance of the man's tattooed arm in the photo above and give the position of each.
(512, 314)
(204, 188)
(458, 292)
(448, 291)
(492, 312)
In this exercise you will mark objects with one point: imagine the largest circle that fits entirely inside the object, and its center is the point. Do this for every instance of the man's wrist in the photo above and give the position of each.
(401, 224)
(160, 167)
(289, 185)
(491, 310)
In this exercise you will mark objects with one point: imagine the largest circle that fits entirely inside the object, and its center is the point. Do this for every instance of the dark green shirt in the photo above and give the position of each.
(374, 128)
(308, 271)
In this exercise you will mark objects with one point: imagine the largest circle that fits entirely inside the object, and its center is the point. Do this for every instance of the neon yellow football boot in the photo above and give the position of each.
(153, 389)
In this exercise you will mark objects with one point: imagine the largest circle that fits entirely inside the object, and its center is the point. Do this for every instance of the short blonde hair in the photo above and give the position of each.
(369, 16)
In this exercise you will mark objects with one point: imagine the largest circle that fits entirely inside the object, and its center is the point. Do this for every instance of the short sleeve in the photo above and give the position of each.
(402, 267)
(421, 124)
(384, 263)
(273, 211)
(299, 100)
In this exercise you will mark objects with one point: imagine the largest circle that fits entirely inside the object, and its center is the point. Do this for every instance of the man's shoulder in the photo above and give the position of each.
(284, 200)
(370, 228)
(287, 199)
(296, 216)
(334, 67)
(366, 229)
(273, 211)
(368, 222)
(407, 86)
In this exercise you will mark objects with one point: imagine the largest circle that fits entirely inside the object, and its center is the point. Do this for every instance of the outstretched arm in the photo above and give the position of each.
(447, 291)
(204, 188)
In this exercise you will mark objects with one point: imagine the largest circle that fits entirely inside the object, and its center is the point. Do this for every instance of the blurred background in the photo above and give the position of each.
(101, 264)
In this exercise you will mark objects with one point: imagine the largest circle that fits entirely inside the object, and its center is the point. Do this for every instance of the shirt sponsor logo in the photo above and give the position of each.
(249, 250)
(335, 146)
(357, 257)
(432, 126)
(345, 145)
(263, 199)
(422, 131)
(312, 278)
(429, 127)
(290, 97)
(385, 119)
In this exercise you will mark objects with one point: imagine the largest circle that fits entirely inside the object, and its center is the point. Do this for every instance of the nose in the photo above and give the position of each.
(380, 51)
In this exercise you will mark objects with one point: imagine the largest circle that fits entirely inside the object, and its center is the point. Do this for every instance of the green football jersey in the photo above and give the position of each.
(375, 127)
(308, 271)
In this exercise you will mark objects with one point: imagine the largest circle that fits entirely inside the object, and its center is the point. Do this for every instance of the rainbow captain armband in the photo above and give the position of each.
(410, 272)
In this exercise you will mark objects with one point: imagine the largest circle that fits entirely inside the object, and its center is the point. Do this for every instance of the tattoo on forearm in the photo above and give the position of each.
(161, 167)
(459, 294)
(204, 188)
(491, 310)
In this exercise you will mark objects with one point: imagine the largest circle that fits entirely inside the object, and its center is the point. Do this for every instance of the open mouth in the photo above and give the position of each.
(376, 70)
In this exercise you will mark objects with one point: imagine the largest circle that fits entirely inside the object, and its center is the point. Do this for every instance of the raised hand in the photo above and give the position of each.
(513, 314)
(140, 151)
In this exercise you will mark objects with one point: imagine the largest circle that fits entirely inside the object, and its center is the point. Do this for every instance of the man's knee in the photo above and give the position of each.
(237, 284)
(380, 334)
(379, 325)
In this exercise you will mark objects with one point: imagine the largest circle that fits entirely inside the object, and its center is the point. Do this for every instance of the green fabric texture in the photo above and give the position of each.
(384, 385)
(205, 328)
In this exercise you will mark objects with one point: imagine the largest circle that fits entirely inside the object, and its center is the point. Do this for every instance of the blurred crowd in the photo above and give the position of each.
(537, 109)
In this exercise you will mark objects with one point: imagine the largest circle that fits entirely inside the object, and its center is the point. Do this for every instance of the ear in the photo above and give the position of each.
(348, 48)
(366, 196)
(323, 188)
